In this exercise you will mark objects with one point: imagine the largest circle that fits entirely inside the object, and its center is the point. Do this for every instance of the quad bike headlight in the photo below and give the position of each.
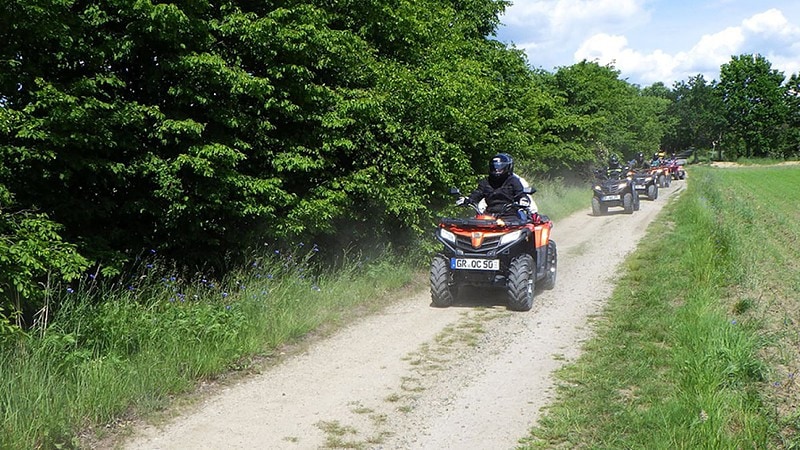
(447, 236)
(510, 237)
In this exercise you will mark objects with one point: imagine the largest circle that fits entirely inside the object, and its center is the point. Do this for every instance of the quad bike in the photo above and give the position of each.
(614, 189)
(644, 183)
(661, 174)
(488, 250)
(676, 169)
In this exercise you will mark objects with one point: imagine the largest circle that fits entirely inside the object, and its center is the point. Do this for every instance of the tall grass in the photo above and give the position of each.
(558, 200)
(684, 353)
(112, 350)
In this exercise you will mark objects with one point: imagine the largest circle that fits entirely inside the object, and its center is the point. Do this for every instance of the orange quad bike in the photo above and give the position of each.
(494, 251)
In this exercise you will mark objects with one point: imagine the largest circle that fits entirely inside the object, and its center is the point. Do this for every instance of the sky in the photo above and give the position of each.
(649, 41)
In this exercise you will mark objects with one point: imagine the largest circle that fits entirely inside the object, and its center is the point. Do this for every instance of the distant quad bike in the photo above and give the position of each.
(612, 190)
(661, 174)
(489, 251)
(676, 168)
(644, 183)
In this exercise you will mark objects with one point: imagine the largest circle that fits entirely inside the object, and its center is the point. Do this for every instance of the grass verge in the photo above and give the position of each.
(697, 346)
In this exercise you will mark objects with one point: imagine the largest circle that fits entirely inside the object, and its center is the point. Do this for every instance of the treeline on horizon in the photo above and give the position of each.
(200, 130)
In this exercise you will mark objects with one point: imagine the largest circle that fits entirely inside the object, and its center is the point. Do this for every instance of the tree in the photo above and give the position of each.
(753, 98)
(699, 119)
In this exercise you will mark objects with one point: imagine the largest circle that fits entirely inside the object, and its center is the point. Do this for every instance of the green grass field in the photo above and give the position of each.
(698, 346)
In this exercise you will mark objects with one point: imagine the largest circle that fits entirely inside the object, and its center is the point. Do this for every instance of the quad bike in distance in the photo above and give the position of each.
(644, 183)
(490, 251)
(661, 174)
(612, 190)
(676, 168)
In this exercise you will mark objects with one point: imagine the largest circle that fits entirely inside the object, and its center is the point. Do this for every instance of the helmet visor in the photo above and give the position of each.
(499, 167)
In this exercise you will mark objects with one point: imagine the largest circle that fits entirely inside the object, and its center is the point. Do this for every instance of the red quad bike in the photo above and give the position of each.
(661, 174)
(676, 169)
(489, 251)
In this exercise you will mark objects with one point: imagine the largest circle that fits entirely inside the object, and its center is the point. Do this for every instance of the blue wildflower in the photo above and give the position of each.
(70, 290)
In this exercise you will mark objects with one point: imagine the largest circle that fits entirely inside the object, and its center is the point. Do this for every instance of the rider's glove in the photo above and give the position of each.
(524, 202)
(461, 201)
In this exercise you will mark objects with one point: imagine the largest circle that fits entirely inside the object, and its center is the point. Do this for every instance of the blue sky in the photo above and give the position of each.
(654, 40)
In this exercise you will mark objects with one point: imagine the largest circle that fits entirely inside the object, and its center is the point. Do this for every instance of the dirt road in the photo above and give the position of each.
(473, 376)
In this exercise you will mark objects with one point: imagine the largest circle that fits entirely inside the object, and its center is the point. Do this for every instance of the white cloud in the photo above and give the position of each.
(607, 49)
(770, 22)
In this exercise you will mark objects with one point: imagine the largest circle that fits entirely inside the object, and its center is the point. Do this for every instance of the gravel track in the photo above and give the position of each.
(472, 376)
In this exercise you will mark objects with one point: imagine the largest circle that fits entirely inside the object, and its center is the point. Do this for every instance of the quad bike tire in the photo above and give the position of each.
(667, 180)
(551, 267)
(661, 182)
(520, 283)
(652, 192)
(627, 203)
(636, 202)
(598, 209)
(441, 288)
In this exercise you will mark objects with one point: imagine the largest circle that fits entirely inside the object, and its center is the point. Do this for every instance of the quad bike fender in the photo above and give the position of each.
(541, 234)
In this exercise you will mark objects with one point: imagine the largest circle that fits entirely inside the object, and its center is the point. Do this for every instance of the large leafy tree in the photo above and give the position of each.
(199, 128)
(753, 98)
(699, 119)
(617, 116)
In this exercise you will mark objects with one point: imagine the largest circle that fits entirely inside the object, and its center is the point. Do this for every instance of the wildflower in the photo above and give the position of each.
(149, 266)
(277, 252)
(315, 248)
(316, 288)
(131, 288)
(228, 307)
(70, 290)
(269, 276)
(733, 322)
(703, 416)
(224, 294)
(152, 251)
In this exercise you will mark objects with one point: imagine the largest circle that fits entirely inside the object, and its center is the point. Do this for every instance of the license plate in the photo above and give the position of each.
(639, 186)
(610, 197)
(474, 264)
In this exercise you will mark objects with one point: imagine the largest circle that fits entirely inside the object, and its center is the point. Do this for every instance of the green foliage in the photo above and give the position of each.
(753, 97)
(616, 116)
(33, 257)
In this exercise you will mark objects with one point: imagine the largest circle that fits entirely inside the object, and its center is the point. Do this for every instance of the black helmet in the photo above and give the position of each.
(613, 162)
(640, 157)
(501, 166)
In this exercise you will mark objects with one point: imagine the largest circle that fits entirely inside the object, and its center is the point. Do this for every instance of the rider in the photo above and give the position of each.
(614, 169)
(639, 162)
(501, 188)
(656, 161)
